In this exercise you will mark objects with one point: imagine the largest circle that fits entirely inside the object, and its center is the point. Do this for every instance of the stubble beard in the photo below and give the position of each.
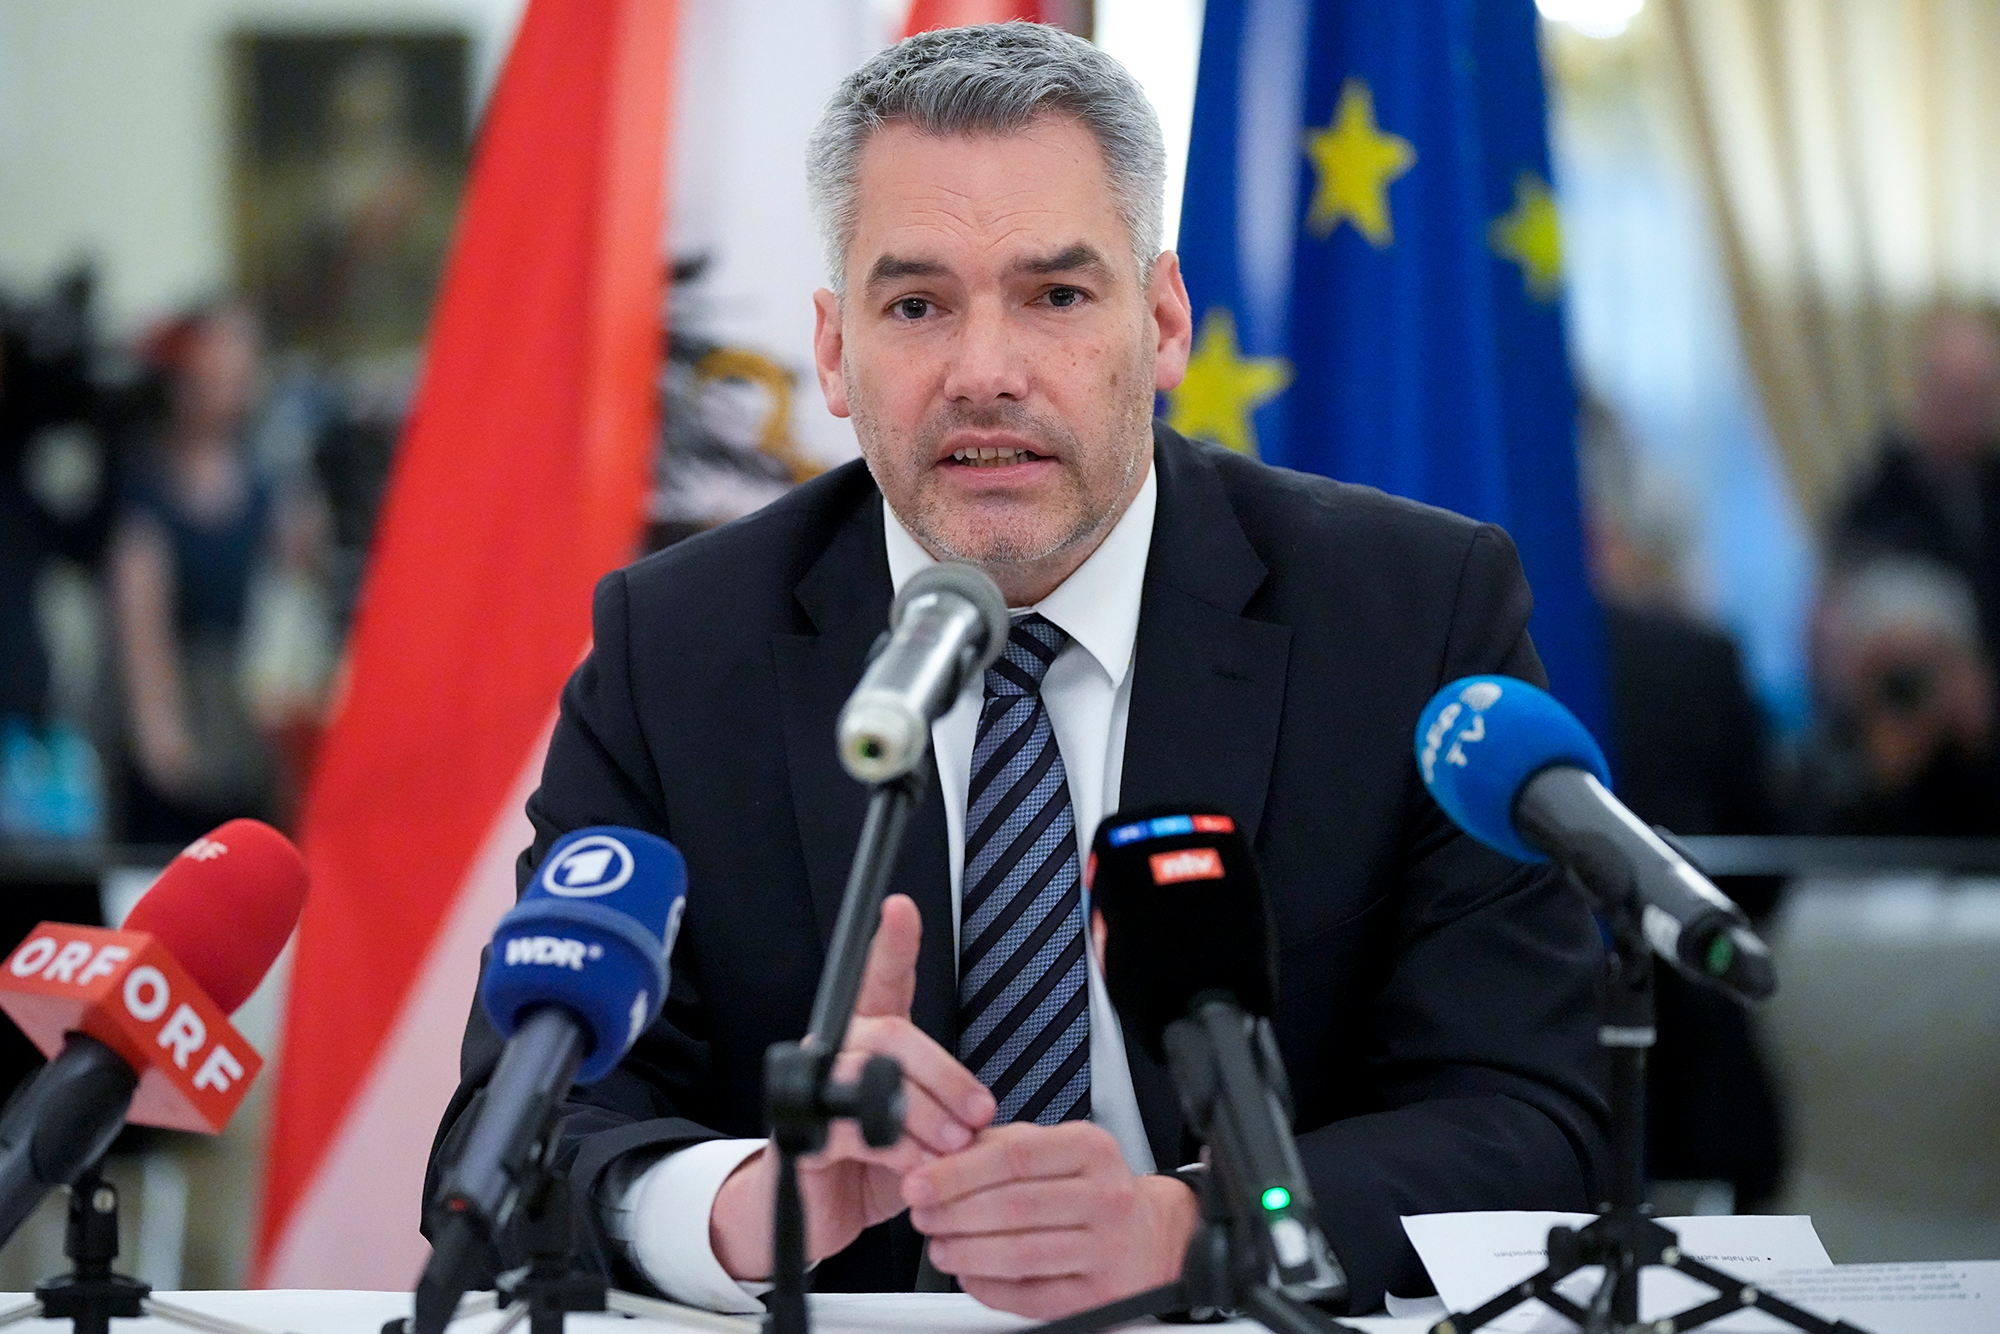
(1002, 546)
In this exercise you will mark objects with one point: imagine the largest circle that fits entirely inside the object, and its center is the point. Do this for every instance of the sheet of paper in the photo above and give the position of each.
(1416, 1308)
(1930, 1298)
(1473, 1256)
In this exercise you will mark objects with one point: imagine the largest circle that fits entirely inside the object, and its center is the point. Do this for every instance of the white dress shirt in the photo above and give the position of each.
(663, 1218)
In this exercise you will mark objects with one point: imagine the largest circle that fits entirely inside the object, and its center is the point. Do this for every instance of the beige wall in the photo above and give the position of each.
(114, 136)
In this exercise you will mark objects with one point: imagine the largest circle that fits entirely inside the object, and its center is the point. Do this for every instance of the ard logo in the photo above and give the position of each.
(594, 865)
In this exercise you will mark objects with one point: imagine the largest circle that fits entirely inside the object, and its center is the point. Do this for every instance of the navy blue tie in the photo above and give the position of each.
(1023, 992)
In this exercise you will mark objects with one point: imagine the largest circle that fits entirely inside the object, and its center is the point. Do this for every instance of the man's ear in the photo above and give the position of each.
(1173, 317)
(826, 351)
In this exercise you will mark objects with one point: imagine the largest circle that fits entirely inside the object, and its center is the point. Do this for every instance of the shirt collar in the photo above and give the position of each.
(1098, 605)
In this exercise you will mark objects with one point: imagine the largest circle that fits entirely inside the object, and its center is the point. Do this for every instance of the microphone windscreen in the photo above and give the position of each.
(1185, 915)
(1481, 739)
(968, 582)
(225, 906)
(592, 933)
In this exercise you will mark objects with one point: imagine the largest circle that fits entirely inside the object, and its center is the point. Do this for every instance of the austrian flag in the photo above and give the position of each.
(519, 482)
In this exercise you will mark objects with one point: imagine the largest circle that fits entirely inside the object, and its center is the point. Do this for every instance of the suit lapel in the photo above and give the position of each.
(1208, 689)
(1208, 683)
(846, 596)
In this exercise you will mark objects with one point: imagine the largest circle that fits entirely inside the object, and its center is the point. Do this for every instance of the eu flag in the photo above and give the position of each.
(1371, 245)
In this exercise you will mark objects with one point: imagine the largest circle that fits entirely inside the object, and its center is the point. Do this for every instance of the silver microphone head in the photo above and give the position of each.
(960, 628)
(969, 582)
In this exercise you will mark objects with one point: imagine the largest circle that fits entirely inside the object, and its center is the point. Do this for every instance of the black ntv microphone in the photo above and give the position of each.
(948, 623)
(1191, 965)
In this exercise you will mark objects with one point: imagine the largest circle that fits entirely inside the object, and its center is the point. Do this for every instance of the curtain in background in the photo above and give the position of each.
(1848, 148)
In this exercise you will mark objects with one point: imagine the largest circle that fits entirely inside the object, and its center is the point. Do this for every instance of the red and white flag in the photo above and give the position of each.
(521, 479)
(929, 15)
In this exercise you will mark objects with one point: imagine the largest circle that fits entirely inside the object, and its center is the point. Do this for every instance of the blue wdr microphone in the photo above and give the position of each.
(577, 970)
(1517, 771)
(591, 935)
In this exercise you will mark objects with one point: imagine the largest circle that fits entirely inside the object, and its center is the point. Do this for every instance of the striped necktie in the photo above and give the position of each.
(1023, 998)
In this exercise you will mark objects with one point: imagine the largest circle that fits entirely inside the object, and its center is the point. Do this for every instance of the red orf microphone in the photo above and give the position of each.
(136, 1021)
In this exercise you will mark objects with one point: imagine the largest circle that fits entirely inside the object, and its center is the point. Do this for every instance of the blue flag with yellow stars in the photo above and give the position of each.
(1372, 250)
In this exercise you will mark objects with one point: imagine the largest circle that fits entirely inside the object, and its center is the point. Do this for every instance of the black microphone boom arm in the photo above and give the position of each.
(1688, 922)
(501, 1160)
(1238, 1102)
(59, 1123)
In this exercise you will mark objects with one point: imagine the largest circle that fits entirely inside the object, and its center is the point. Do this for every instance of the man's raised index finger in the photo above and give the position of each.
(889, 980)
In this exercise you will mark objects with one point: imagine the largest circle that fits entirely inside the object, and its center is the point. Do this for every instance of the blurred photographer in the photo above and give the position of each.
(1934, 491)
(1909, 689)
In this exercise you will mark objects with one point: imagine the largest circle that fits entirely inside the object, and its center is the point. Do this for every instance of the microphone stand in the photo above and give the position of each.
(1228, 1265)
(551, 1285)
(801, 1097)
(545, 1290)
(1625, 1239)
(92, 1295)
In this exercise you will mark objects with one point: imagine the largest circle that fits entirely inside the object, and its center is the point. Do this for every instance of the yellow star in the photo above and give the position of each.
(1223, 387)
(1356, 162)
(1530, 235)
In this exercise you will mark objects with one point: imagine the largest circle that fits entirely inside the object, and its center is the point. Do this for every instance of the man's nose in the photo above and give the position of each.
(988, 362)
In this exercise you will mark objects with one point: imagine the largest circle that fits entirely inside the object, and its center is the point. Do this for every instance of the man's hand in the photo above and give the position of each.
(850, 1186)
(1045, 1221)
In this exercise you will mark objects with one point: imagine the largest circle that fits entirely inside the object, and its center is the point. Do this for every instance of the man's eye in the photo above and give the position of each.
(913, 307)
(1062, 298)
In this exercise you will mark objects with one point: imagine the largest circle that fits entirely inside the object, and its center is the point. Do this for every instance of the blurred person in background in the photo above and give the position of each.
(1935, 492)
(1905, 680)
(54, 510)
(195, 526)
(1688, 753)
(1690, 737)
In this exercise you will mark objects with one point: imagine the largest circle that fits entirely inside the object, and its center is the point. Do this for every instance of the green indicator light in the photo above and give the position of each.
(1721, 954)
(1276, 1198)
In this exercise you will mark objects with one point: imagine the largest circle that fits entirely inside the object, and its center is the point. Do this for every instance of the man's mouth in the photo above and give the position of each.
(994, 456)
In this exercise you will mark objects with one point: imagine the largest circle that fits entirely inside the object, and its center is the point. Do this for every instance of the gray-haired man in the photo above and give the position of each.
(1191, 627)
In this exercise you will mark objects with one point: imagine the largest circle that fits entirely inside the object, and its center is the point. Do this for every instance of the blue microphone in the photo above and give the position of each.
(1517, 771)
(590, 934)
(577, 971)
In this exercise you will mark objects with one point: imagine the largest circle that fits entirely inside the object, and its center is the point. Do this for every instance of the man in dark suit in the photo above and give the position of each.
(1934, 492)
(1191, 627)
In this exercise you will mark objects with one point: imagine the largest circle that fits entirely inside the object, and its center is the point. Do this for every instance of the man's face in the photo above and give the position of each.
(996, 349)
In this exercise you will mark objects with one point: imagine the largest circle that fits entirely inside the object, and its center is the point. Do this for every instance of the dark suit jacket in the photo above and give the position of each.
(1436, 1011)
